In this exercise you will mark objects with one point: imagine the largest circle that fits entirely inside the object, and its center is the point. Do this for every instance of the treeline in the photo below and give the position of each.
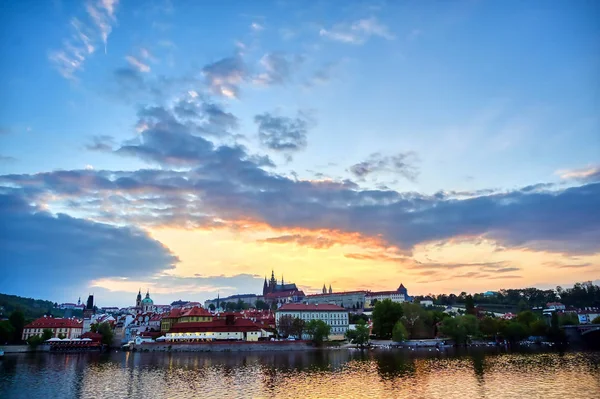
(583, 294)
(31, 308)
(403, 321)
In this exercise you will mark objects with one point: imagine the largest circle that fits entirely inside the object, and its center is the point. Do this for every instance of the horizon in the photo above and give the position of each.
(191, 150)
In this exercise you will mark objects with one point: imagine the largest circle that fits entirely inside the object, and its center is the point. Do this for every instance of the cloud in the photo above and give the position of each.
(66, 252)
(6, 159)
(358, 32)
(317, 242)
(281, 133)
(587, 174)
(255, 26)
(102, 143)
(401, 164)
(224, 76)
(139, 65)
(278, 68)
(322, 75)
(75, 50)
(209, 117)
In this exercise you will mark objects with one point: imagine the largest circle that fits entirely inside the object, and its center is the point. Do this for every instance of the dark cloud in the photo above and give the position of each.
(281, 133)
(224, 184)
(210, 118)
(65, 252)
(402, 164)
(278, 68)
(224, 76)
(101, 143)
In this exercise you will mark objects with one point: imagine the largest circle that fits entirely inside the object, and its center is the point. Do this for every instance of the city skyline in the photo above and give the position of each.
(363, 145)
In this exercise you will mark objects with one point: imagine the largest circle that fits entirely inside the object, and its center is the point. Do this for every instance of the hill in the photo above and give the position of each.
(31, 308)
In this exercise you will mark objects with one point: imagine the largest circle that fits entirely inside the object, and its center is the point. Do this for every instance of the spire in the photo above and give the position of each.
(324, 289)
(282, 282)
(148, 293)
(330, 290)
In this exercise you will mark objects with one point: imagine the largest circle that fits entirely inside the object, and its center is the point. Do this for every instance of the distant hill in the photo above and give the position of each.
(31, 308)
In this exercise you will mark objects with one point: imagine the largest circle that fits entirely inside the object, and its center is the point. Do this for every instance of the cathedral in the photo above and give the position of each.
(146, 304)
(271, 286)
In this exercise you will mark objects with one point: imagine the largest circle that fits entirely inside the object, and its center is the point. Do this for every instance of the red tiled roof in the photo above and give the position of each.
(239, 325)
(196, 311)
(174, 313)
(310, 307)
(51, 322)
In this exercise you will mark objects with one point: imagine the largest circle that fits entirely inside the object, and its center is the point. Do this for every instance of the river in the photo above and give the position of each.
(316, 374)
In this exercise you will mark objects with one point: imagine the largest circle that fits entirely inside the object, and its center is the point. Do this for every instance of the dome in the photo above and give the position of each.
(147, 301)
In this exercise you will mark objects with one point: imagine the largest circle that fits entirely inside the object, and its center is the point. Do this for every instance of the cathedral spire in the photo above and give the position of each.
(330, 290)
(324, 289)
(282, 282)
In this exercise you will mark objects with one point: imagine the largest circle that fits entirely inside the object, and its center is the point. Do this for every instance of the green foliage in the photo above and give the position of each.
(229, 306)
(284, 325)
(107, 333)
(61, 336)
(318, 330)
(17, 320)
(47, 334)
(34, 341)
(515, 331)
(385, 315)
(399, 332)
(355, 318)
(596, 320)
(241, 305)
(469, 305)
(212, 307)
(7, 332)
(489, 326)
(360, 335)
(298, 326)
(539, 328)
(262, 305)
(31, 308)
(94, 328)
(460, 328)
(526, 317)
(566, 319)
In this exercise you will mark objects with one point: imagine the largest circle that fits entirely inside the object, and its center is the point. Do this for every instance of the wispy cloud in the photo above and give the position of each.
(75, 50)
(402, 164)
(137, 64)
(358, 32)
(588, 174)
(255, 26)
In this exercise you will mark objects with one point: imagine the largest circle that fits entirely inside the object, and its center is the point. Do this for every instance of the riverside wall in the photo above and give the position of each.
(224, 346)
(24, 348)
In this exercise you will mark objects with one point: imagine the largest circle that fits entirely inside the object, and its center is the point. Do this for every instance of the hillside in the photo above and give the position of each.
(31, 308)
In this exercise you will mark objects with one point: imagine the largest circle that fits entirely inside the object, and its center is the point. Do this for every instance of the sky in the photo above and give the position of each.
(190, 148)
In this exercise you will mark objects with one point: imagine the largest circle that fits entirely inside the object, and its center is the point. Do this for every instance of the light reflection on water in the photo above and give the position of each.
(326, 374)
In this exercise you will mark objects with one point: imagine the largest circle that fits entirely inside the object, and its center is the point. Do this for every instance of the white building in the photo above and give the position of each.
(333, 315)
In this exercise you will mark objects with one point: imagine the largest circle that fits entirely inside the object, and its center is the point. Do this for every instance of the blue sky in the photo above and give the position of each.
(472, 98)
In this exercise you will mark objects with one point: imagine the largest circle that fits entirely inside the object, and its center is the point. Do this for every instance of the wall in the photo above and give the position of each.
(24, 348)
(225, 347)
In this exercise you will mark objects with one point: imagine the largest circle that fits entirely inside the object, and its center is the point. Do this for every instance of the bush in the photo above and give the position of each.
(399, 332)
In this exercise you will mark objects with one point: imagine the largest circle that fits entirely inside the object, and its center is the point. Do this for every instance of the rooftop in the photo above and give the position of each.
(310, 307)
(51, 322)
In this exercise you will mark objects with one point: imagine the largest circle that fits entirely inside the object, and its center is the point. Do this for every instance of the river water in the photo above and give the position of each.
(318, 374)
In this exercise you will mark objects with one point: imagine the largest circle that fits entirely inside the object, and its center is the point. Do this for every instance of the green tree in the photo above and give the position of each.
(539, 328)
(107, 333)
(47, 334)
(94, 327)
(284, 325)
(360, 334)
(469, 305)
(526, 317)
(62, 336)
(459, 328)
(7, 332)
(515, 331)
(17, 320)
(596, 320)
(212, 307)
(522, 305)
(413, 318)
(489, 326)
(318, 330)
(385, 315)
(34, 341)
(568, 319)
(298, 326)
(399, 332)
(230, 306)
(262, 305)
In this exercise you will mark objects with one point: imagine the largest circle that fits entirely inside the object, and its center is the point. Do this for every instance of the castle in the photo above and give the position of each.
(272, 286)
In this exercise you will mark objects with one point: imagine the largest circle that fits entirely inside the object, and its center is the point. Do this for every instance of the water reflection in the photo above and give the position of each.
(319, 374)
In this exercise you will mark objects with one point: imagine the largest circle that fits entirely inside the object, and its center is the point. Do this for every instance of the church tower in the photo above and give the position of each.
(330, 290)
(273, 282)
(138, 301)
(265, 287)
(324, 289)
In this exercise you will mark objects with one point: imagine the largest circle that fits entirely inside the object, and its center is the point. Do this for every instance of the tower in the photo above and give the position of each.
(265, 287)
(282, 282)
(330, 290)
(138, 301)
(273, 282)
(324, 289)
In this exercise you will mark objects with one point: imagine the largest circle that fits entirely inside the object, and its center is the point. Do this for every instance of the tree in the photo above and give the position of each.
(539, 328)
(596, 320)
(526, 317)
(17, 320)
(7, 332)
(212, 307)
(515, 331)
(385, 315)
(469, 305)
(262, 305)
(62, 336)
(489, 326)
(459, 328)
(230, 306)
(360, 334)
(34, 341)
(94, 327)
(318, 330)
(399, 332)
(284, 326)
(47, 334)
(298, 327)
(107, 333)
(414, 317)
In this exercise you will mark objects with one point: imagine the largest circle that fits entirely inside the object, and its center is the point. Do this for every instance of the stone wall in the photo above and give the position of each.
(224, 346)
(24, 348)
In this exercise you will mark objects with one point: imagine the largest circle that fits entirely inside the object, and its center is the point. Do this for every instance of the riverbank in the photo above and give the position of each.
(223, 346)
(24, 348)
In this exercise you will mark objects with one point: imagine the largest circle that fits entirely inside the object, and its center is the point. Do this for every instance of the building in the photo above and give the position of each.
(274, 293)
(351, 300)
(555, 306)
(190, 315)
(247, 299)
(88, 312)
(65, 328)
(229, 328)
(333, 315)
(147, 304)
(399, 296)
